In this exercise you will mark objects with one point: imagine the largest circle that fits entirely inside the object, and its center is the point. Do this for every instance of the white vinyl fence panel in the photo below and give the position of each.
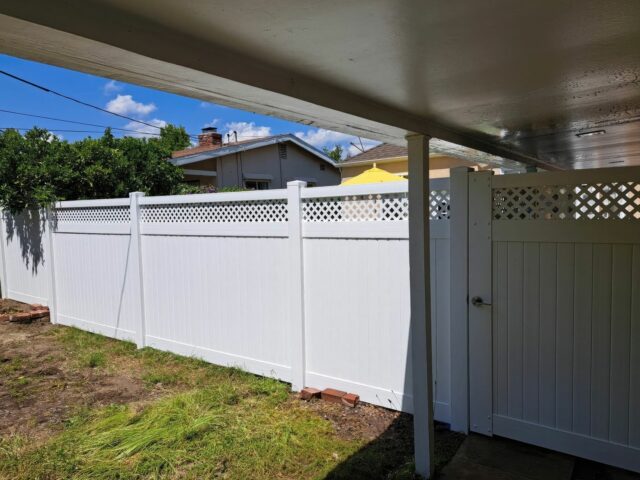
(356, 258)
(212, 276)
(93, 268)
(26, 248)
(216, 279)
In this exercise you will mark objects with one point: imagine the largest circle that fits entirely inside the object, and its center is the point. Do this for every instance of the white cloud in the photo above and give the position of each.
(126, 105)
(111, 87)
(246, 130)
(212, 123)
(144, 131)
(205, 105)
(321, 137)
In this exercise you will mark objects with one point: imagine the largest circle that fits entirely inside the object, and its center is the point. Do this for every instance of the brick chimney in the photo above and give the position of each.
(210, 137)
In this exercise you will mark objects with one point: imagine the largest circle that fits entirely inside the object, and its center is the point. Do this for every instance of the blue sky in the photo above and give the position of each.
(152, 106)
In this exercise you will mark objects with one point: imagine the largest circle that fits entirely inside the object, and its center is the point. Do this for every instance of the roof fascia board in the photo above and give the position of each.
(232, 149)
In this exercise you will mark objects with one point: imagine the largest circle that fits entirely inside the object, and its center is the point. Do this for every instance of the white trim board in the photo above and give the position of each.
(252, 365)
(603, 451)
(26, 298)
(95, 327)
(216, 229)
(568, 231)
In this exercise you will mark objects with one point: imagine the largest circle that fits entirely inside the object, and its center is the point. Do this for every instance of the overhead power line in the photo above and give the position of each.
(22, 129)
(71, 121)
(67, 97)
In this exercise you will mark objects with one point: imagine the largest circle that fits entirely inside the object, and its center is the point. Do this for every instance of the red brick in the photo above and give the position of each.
(351, 399)
(332, 395)
(308, 393)
(37, 311)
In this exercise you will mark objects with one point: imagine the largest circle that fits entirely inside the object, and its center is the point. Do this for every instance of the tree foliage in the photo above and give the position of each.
(334, 153)
(38, 168)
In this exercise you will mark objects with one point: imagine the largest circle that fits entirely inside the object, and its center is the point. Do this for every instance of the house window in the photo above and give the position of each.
(256, 184)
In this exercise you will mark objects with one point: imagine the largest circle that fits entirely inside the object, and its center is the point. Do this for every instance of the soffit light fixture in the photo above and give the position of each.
(591, 133)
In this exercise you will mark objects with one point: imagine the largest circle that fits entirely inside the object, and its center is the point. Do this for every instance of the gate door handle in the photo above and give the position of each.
(478, 302)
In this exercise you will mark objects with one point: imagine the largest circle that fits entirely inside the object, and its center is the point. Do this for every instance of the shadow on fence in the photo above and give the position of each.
(28, 227)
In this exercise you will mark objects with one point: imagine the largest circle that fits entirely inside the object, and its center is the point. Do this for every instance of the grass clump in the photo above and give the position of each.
(95, 359)
(218, 431)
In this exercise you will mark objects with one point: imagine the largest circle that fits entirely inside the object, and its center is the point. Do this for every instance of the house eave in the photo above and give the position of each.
(232, 149)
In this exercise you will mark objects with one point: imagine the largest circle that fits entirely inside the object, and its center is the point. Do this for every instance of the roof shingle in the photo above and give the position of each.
(384, 150)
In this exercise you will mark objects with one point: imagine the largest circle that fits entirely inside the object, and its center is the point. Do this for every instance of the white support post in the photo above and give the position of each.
(296, 284)
(419, 277)
(459, 188)
(4, 288)
(53, 305)
(135, 263)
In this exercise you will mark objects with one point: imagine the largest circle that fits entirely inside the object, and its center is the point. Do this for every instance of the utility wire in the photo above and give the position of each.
(76, 131)
(48, 90)
(70, 121)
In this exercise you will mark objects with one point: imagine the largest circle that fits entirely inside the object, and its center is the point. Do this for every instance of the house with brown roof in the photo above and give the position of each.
(393, 159)
(257, 164)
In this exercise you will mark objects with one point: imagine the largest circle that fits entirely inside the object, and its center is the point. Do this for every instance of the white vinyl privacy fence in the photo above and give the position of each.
(307, 285)
(535, 298)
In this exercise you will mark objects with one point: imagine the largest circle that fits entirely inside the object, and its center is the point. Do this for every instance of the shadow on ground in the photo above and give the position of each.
(390, 455)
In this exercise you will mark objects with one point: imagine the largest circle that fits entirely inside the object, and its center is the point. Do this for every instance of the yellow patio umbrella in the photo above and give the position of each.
(373, 175)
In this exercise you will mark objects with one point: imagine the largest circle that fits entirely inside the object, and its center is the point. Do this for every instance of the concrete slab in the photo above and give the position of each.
(586, 470)
(482, 458)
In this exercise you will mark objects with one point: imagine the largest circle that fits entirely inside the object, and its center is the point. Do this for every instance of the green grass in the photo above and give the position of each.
(95, 359)
(160, 378)
(209, 422)
(223, 430)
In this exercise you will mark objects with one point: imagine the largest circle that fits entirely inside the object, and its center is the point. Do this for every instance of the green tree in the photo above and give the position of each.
(38, 168)
(334, 153)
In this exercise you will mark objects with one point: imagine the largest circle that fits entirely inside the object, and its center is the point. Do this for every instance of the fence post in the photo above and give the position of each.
(53, 305)
(135, 262)
(3, 238)
(459, 193)
(296, 284)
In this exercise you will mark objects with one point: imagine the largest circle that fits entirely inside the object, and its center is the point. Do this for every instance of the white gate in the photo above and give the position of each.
(554, 314)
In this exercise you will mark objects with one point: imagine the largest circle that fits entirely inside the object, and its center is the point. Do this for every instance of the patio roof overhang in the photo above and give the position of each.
(517, 80)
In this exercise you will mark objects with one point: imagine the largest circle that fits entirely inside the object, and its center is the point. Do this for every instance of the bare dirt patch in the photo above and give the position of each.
(388, 433)
(11, 306)
(40, 387)
(363, 421)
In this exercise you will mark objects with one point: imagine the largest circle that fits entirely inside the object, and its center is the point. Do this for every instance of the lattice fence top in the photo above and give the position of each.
(92, 215)
(371, 208)
(602, 201)
(439, 205)
(256, 211)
